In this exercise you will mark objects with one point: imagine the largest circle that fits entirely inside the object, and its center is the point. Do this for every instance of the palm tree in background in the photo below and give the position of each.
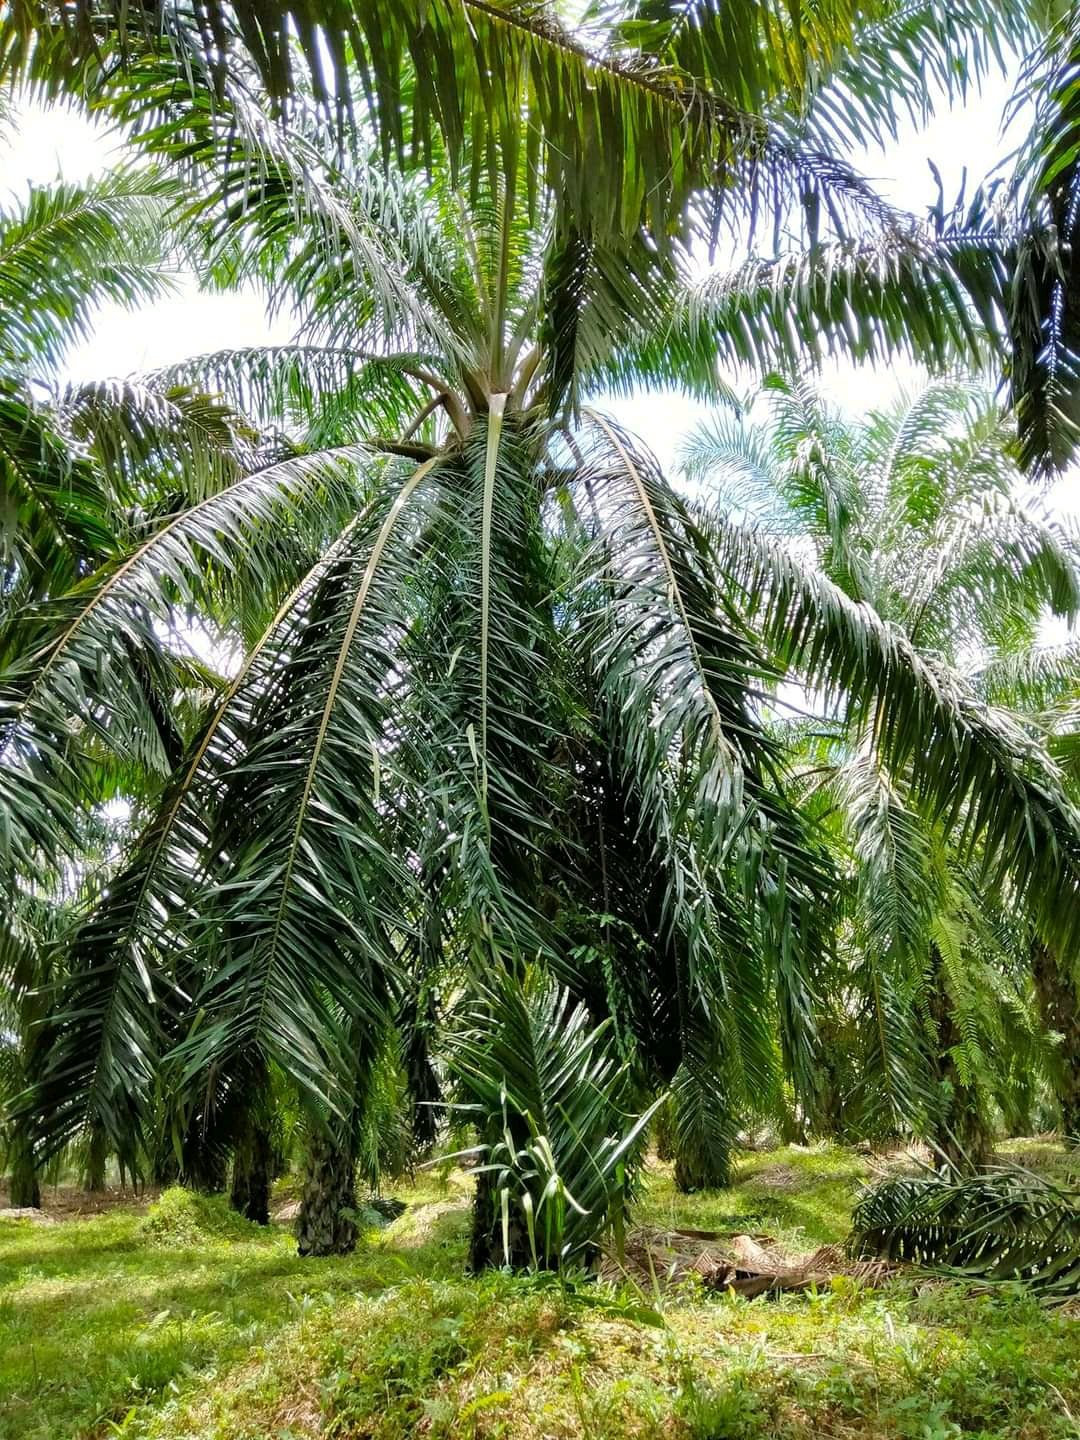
(84, 470)
(1040, 682)
(919, 516)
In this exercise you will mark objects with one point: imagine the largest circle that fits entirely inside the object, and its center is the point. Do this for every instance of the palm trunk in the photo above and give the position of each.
(488, 1246)
(203, 1165)
(23, 1189)
(795, 1126)
(253, 1161)
(97, 1153)
(1059, 1004)
(701, 1167)
(664, 1132)
(326, 1223)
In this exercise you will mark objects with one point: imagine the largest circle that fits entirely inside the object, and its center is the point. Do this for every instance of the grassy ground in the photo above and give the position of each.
(185, 1322)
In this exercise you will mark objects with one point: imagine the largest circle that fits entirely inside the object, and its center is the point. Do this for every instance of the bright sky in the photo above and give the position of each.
(55, 142)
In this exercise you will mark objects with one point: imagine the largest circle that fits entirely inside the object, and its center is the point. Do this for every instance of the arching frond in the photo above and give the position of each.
(1046, 329)
(301, 384)
(124, 1002)
(56, 509)
(147, 438)
(611, 129)
(302, 925)
(74, 675)
(943, 52)
(1036, 679)
(935, 299)
(69, 247)
(681, 676)
(608, 308)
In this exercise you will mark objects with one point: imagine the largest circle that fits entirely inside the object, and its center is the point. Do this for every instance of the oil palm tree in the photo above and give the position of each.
(918, 516)
(474, 735)
(1042, 683)
(492, 666)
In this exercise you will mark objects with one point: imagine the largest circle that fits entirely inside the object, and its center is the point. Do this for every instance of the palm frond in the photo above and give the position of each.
(1038, 679)
(681, 676)
(896, 898)
(74, 677)
(1046, 315)
(705, 1122)
(935, 299)
(553, 1109)
(297, 385)
(124, 1002)
(146, 437)
(67, 248)
(608, 320)
(943, 52)
(56, 509)
(1007, 1225)
(612, 130)
(301, 923)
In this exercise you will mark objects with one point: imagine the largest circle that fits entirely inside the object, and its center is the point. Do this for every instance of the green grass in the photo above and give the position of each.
(188, 1324)
(795, 1194)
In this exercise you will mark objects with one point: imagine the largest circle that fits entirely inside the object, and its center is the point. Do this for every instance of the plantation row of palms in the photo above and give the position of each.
(494, 811)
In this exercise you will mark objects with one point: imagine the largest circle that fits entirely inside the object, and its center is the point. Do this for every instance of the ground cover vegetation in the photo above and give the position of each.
(180, 1319)
(531, 802)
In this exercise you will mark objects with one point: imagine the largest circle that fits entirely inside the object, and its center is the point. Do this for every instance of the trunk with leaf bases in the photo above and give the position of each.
(24, 1189)
(253, 1119)
(253, 1166)
(201, 1165)
(664, 1132)
(326, 1224)
(490, 1243)
(1059, 1004)
(204, 1167)
(97, 1154)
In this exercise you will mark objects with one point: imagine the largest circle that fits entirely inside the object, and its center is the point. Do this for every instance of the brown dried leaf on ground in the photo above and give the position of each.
(746, 1264)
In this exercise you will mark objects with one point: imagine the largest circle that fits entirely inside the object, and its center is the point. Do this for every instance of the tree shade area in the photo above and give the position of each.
(401, 772)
